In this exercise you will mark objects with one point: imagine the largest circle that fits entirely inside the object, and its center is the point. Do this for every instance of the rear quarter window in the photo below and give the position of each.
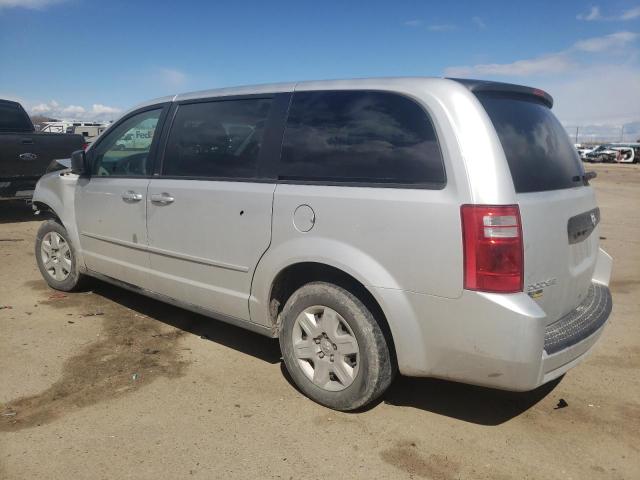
(360, 137)
(537, 147)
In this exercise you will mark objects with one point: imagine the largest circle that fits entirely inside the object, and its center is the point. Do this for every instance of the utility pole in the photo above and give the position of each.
(577, 128)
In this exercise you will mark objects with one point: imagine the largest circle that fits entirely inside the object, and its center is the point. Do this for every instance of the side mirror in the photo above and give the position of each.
(79, 164)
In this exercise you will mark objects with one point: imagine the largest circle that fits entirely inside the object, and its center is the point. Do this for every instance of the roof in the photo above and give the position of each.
(366, 83)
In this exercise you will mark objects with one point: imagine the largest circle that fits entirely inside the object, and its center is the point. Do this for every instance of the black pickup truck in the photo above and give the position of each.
(24, 153)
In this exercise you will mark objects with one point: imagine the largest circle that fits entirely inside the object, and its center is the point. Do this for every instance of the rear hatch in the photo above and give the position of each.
(557, 207)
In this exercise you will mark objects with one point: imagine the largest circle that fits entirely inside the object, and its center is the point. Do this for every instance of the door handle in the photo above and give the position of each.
(162, 198)
(27, 141)
(131, 196)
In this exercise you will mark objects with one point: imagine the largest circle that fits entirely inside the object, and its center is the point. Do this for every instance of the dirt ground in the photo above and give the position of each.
(108, 384)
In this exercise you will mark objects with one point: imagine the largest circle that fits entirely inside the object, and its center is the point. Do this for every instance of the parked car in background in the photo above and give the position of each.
(25, 153)
(628, 152)
(89, 132)
(614, 153)
(66, 126)
(137, 139)
(372, 225)
(602, 153)
(584, 149)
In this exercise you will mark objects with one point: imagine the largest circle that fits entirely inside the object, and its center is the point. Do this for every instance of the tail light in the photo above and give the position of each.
(85, 146)
(493, 252)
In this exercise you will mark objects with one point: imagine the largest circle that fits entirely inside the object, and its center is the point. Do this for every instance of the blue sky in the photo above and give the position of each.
(93, 59)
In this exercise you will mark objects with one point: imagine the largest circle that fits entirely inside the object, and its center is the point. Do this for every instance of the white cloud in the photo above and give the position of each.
(30, 4)
(171, 78)
(41, 108)
(434, 27)
(588, 97)
(595, 14)
(442, 27)
(53, 109)
(73, 110)
(555, 63)
(631, 14)
(607, 42)
(413, 23)
(100, 109)
(479, 22)
(590, 86)
(552, 63)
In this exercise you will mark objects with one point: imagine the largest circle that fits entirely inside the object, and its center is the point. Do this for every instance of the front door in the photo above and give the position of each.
(110, 204)
(209, 213)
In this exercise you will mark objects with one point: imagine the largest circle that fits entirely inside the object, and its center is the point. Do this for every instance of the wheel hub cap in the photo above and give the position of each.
(56, 256)
(326, 348)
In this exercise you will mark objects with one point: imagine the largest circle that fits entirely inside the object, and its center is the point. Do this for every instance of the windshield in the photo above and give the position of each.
(536, 145)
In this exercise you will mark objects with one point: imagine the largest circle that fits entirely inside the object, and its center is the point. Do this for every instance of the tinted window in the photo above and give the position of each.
(536, 145)
(216, 139)
(360, 137)
(13, 119)
(125, 150)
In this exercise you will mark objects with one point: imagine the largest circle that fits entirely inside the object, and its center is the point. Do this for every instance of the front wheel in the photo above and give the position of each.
(56, 257)
(333, 347)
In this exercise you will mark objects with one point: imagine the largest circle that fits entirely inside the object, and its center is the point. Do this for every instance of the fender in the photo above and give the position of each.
(406, 326)
(57, 191)
(329, 252)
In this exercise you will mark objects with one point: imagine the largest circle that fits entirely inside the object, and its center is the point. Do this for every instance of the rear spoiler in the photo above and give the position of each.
(477, 86)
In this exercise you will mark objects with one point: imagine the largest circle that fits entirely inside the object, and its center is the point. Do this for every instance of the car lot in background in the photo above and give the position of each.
(134, 388)
(612, 153)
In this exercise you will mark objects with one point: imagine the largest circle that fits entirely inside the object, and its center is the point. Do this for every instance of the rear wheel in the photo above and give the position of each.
(56, 257)
(333, 347)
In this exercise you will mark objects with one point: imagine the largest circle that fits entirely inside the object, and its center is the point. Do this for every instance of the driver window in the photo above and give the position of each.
(125, 151)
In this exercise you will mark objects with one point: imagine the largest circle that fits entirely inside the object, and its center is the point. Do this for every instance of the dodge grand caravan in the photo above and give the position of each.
(435, 227)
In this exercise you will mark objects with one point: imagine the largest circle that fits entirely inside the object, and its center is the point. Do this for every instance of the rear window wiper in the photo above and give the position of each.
(584, 178)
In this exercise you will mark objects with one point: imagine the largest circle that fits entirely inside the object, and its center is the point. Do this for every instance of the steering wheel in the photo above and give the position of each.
(132, 164)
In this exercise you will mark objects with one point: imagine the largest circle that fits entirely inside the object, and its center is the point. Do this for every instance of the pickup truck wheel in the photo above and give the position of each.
(333, 347)
(56, 257)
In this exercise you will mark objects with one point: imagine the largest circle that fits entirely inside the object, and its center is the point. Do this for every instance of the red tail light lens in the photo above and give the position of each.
(493, 252)
(85, 146)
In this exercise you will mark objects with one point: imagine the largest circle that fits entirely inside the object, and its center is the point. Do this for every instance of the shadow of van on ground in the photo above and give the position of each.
(210, 329)
(469, 403)
(478, 405)
(14, 211)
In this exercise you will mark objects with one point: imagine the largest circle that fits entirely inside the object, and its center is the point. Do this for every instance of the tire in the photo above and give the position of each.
(322, 321)
(56, 257)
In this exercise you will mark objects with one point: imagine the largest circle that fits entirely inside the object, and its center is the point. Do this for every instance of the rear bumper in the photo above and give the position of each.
(499, 341)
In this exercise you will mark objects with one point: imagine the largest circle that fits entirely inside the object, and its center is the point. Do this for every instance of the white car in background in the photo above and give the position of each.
(614, 153)
(584, 149)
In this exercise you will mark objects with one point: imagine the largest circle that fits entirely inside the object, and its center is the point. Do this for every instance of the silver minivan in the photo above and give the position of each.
(433, 227)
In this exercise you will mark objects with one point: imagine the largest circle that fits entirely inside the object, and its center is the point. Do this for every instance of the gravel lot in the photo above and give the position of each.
(108, 384)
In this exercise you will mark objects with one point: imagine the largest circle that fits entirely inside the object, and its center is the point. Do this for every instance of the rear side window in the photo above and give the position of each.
(360, 137)
(13, 119)
(536, 145)
(216, 139)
